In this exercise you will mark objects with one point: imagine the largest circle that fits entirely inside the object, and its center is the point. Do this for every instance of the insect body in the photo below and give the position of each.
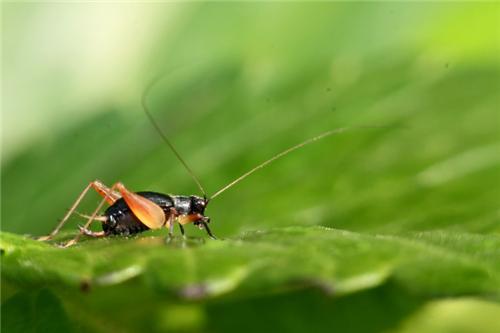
(133, 212)
(120, 219)
(130, 213)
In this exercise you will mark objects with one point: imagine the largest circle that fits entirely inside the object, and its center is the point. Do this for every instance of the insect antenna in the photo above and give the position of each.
(287, 151)
(163, 136)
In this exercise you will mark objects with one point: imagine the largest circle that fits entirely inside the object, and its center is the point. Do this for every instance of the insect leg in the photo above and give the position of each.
(101, 218)
(91, 233)
(169, 223)
(91, 218)
(182, 230)
(108, 194)
(171, 230)
(208, 230)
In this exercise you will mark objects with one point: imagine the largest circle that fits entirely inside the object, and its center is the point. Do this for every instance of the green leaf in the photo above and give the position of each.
(34, 312)
(338, 262)
(334, 262)
(387, 230)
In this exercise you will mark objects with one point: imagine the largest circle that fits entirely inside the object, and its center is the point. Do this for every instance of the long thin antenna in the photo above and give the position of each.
(163, 136)
(287, 151)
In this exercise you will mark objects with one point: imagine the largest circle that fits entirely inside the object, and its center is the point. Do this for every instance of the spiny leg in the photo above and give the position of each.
(86, 226)
(182, 230)
(109, 195)
(90, 219)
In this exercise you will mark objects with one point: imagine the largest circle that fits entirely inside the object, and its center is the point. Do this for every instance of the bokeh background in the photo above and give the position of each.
(243, 81)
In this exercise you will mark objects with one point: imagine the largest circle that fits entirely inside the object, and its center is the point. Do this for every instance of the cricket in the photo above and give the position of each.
(130, 212)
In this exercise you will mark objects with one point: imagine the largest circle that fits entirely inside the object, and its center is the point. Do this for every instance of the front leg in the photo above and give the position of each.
(202, 223)
(198, 220)
(208, 230)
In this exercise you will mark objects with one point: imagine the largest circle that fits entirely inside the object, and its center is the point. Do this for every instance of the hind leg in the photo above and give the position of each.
(108, 193)
(91, 233)
(93, 217)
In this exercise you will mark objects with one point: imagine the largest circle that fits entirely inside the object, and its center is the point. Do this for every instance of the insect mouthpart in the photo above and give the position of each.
(202, 223)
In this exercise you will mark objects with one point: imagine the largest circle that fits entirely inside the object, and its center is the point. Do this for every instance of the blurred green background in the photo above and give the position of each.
(242, 82)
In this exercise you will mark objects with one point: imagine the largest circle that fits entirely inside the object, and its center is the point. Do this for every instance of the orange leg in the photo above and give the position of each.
(108, 193)
(94, 216)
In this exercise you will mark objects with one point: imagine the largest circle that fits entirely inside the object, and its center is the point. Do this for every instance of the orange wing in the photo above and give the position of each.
(146, 210)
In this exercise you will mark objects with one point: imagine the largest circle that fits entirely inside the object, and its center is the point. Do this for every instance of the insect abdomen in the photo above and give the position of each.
(122, 221)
